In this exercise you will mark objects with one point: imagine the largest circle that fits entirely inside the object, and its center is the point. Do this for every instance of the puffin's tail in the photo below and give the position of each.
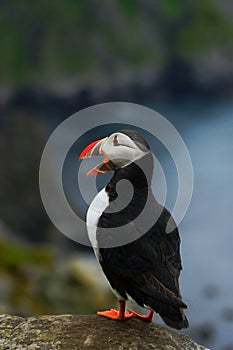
(173, 316)
(176, 324)
(166, 304)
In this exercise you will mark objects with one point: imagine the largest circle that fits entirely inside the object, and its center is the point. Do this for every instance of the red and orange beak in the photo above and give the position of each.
(95, 149)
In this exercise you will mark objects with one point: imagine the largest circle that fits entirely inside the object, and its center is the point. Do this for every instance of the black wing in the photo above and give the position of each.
(146, 269)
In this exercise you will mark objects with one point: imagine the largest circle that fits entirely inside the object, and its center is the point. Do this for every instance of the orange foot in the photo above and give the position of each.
(115, 315)
(148, 317)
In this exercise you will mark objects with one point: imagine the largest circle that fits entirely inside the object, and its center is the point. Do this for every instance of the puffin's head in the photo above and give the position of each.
(119, 150)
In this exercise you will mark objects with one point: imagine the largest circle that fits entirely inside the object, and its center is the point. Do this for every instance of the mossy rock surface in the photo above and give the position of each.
(72, 332)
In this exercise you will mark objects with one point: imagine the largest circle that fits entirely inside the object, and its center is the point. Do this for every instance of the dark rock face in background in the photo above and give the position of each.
(23, 136)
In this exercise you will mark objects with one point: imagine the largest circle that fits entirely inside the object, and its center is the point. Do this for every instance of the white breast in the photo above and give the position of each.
(97, 207)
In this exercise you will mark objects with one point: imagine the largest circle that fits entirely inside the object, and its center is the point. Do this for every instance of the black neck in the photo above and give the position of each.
(139, 174)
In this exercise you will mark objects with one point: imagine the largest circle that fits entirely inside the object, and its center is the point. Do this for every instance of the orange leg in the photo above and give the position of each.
(117, 315)
(148, 317)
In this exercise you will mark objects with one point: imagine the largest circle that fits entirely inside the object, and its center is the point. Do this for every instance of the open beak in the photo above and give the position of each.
(95, 149)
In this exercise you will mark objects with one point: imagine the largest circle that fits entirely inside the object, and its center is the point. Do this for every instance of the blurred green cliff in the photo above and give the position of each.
(35, 280)
(65, 44)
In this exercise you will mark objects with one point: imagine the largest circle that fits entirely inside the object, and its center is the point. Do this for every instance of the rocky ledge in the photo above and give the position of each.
(72, 332)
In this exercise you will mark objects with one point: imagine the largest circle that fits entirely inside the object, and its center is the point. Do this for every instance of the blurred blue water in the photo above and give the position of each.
(207, 229)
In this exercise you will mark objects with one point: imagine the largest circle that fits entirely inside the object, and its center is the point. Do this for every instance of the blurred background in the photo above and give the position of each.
(174, 56)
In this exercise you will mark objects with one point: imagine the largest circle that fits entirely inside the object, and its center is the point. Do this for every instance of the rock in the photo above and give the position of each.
(72, 332)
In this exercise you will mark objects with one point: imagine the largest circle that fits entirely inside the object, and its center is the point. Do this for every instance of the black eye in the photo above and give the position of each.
(115, 141)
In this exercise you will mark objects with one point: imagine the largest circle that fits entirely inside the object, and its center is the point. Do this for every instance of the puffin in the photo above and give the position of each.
(134, 237)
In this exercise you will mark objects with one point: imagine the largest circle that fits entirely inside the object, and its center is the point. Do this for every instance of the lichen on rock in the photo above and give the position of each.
(72, 332)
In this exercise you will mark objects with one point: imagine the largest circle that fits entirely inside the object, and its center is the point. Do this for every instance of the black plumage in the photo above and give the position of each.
(148, 268)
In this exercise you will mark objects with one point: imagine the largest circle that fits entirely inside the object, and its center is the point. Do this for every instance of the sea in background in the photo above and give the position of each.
(206, 231)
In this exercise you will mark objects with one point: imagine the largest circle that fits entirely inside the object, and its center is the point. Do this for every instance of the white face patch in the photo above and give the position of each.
(121, 150)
